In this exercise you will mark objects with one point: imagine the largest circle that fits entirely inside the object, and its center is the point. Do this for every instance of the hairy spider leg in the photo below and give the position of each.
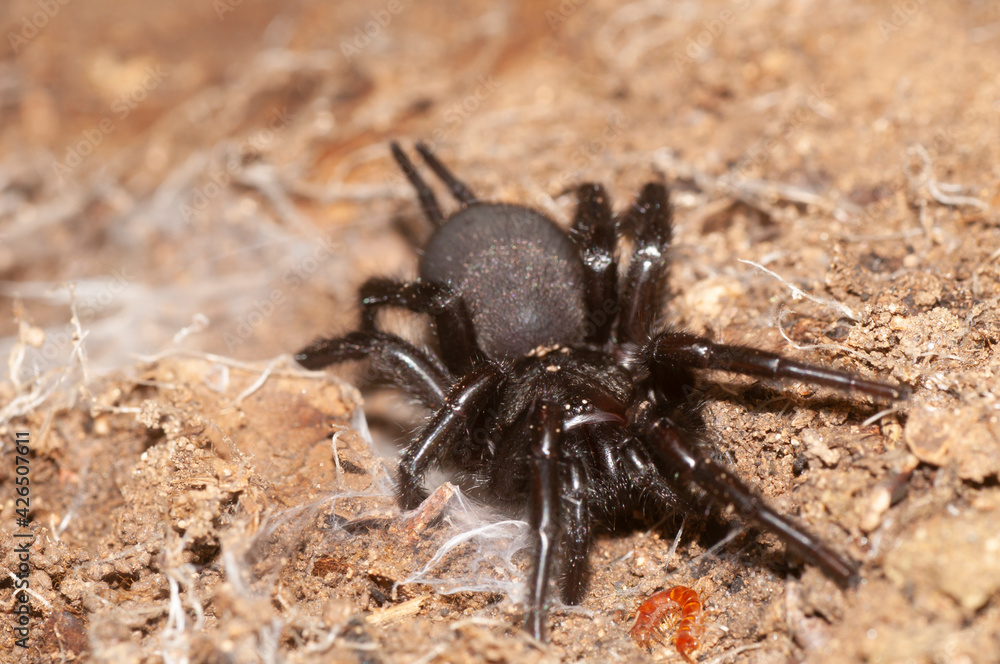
(457, 188)
(595, 236)
(390, 357)
(650, 221)
(681, 350)
(576, 531)
(448, 426)
(573, 483)
(428, 201)
(688, 467)
(545, 428)
(642, 472)
(559, 503)
(455, 331)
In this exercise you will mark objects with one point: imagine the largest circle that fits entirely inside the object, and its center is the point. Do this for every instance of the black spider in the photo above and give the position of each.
(555, 389)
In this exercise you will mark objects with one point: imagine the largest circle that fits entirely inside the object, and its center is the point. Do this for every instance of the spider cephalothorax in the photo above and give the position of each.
(552, 386)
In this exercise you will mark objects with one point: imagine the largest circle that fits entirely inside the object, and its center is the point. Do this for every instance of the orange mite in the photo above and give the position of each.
(677, 602)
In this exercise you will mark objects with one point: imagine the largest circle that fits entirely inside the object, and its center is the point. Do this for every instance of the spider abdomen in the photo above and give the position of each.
(518, 273)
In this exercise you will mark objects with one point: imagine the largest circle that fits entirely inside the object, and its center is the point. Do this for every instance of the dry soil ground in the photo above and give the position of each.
(189, 190)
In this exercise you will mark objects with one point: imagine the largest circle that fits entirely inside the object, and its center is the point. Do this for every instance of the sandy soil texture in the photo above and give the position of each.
(190, 191)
